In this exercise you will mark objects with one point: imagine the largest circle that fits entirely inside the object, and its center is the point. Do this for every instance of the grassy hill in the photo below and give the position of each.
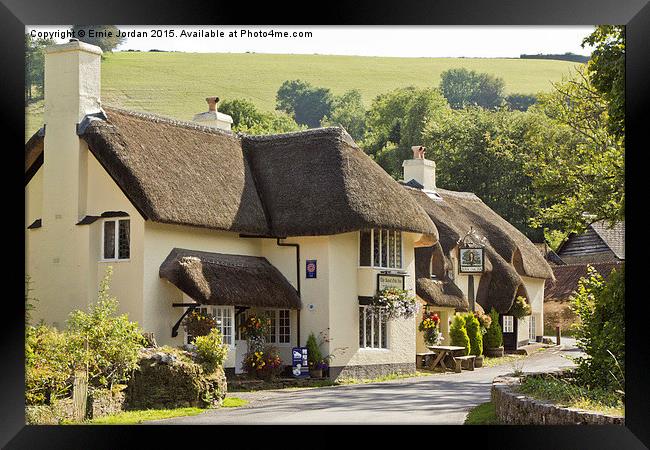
(175, 84)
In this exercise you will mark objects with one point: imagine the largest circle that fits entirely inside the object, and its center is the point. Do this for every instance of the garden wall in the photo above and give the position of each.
(516, 409)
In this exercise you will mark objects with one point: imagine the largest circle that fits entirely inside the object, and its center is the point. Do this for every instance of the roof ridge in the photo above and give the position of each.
(169, 120)
(289, 134)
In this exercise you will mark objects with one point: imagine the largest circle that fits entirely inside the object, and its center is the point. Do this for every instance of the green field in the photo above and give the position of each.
(175, 84)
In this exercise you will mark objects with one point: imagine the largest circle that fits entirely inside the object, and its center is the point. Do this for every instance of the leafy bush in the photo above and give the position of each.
(520, 308)
(48, 365)
(600, 332)
(458, 334)
(494, 335)
(105, 343)
(484, 319)
(264, 364)
(314, 355)
(473, 327)
(210, 350)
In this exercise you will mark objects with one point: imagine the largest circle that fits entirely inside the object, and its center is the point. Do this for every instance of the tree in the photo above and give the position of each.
(248, 119)
(485, 152)
(606, 71)
(462, 88)
(474, 334)
(576, 162)
(395, 122)
(494, 335)
(35, 66)
(103, 36)
(520, 102)
(348, 111)
(305, 103)
(600, 330)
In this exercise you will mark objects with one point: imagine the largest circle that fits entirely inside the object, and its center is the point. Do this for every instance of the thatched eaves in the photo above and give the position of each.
(315, 182)
(509, 254)
(178, 173)
(318, 182)
(222, 279)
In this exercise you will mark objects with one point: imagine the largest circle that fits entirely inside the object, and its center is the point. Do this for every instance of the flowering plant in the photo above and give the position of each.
(484, 319)
(393, 303)
(430, 327)
(264, 363)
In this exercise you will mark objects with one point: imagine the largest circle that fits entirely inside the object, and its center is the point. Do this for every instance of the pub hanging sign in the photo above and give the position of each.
(385, 281)
(471, 260)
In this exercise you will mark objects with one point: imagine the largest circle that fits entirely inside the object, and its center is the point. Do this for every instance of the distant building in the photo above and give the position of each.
(599, 243)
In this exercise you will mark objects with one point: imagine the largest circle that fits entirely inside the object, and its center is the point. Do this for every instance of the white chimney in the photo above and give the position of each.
(420, 169)
(213, 118)
(72, 90)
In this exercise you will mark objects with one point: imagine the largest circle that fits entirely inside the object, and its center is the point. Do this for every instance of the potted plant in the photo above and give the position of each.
(494, 337)
(314, 357)
(473, 327)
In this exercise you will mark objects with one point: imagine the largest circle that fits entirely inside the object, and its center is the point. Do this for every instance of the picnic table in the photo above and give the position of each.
(443, 351)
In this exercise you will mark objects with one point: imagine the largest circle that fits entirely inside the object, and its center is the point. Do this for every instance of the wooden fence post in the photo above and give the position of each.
(79, 395)
(557, 335)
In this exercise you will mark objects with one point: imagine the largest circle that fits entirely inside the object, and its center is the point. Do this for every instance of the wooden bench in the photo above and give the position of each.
(423, 360)
(466, 362)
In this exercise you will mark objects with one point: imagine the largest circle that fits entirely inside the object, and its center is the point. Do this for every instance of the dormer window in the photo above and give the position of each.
(116, 239)
(380, 248)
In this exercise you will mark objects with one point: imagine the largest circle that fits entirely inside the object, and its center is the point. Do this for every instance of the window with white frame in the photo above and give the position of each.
(508, 324)
(380, 248)
(224, 316)
(116, 239)
(372, 328)
(280, 327)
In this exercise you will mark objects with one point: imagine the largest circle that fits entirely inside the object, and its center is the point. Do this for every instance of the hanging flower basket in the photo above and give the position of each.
(394, 303)
(520, 308)
(430, 327)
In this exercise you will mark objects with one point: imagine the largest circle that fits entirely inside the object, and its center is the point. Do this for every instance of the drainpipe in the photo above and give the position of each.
(297, 247)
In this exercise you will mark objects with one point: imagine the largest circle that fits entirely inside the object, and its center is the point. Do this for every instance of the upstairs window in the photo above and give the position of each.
(380, 248)
(116, 239)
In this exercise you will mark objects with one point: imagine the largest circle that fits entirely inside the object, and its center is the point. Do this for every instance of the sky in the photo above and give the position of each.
(411, 41)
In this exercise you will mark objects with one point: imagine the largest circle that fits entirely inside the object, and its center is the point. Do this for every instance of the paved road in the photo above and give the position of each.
(436, 399)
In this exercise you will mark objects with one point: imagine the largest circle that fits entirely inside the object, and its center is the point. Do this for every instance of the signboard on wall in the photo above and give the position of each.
(300, 365)
(470, 260)
(389, 281)
(311, 268)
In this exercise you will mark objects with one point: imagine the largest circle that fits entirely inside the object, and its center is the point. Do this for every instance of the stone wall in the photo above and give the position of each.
(103, 402)
(517, 409)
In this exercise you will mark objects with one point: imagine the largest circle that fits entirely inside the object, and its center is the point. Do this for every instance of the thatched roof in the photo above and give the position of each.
(441, 293)
(509, 254)
(567, 276)
(315, 182)
(319, 182)
(221, 279)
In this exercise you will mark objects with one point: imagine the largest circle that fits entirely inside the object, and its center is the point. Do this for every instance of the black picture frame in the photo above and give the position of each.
(635, 14)
(460, 261)
(379, 275)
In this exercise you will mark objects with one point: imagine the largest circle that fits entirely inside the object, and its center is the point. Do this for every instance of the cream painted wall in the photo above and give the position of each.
(344, 311)
(535, 289)
(158, 293)
(64, 260)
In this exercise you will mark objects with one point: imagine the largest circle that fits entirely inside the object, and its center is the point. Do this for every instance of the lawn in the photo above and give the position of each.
(175, 84)
(137, 417)
(483, 414)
